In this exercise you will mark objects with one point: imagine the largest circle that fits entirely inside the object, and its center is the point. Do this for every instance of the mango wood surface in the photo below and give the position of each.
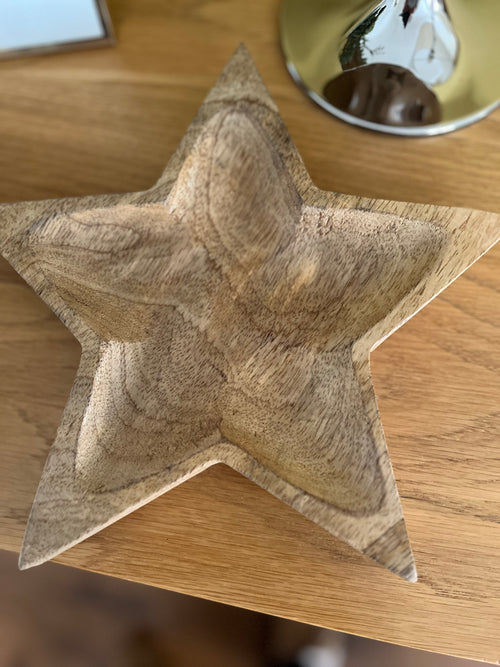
(108, 121)
(227, 315)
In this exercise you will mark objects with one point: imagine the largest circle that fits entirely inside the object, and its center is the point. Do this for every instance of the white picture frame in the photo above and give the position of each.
(34, 27)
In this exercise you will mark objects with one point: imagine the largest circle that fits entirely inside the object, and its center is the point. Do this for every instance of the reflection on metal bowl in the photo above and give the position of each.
(412, 67)
(386, 94)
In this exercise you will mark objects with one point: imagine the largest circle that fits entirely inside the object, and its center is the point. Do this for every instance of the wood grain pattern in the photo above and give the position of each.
(122, 112)
(227, 315)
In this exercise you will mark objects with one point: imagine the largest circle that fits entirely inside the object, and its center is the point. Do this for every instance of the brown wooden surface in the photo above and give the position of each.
(106, 121)
(226, 315)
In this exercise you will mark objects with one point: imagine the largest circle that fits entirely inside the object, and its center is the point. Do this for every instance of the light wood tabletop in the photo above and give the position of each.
(107, 121)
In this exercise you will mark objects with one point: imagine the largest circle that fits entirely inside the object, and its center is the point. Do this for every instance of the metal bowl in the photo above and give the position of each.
(409, 67)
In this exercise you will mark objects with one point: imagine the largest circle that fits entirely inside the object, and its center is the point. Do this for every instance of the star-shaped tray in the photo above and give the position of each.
(227, 315)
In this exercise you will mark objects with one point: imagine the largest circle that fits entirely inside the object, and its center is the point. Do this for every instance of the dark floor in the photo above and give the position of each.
(54, 616)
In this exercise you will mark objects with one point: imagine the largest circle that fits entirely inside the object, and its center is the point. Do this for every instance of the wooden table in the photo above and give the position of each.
(107, 121)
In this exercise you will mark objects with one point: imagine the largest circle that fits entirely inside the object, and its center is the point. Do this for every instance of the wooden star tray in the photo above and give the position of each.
(227, 315)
